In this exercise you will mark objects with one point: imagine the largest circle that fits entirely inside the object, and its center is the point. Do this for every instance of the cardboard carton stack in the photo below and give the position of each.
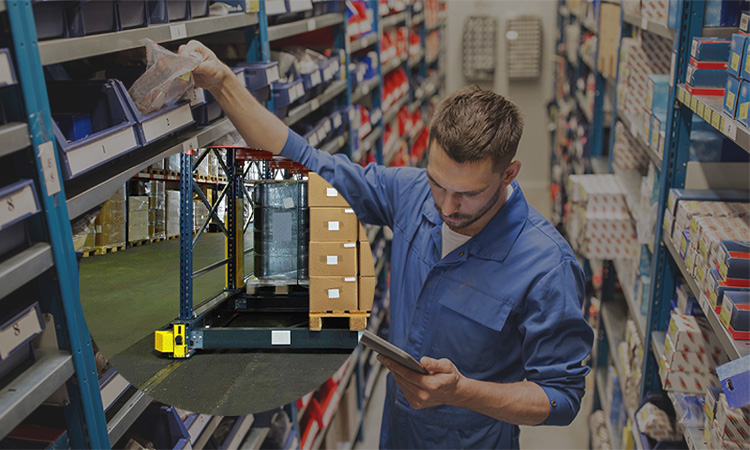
(138, 213)
(172, 213)
(724, 427)
(692, 352)
(110, 223)
(598, 223)
(200, 214)
(157, 225)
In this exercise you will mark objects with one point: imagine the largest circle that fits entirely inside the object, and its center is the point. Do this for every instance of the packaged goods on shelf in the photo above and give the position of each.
(686, 303)
(110, 223)
(688, 409)
(172, 216)
(723, 13)
(628, 153)
(737, 54)
(600, 438)
(710, 52)
(631, 355)
(599, 224)
(655, 423)
(730, 428)
(705, 81)
(735, 314)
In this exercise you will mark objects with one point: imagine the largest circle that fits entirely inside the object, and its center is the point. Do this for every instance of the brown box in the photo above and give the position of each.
(366, 262)
(333, 259)
(333, 225)
(138, 226)
(362, 233)
(609, 39)
(333, 294)
(366, 293)
(110, 235)
(320, 193)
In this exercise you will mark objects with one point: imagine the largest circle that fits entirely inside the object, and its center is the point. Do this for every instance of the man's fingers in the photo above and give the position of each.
(433, 365)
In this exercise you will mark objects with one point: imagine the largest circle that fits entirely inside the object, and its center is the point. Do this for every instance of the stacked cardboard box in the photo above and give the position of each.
(138, 212)
(334, 230)
(200, 214)
(692, 352)
(724, 427)
(110, 223)
(172, 216)
(157, 224)
(598, 223)
(630, 352)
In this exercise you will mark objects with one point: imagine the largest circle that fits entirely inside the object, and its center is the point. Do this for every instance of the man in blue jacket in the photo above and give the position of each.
(484, 291)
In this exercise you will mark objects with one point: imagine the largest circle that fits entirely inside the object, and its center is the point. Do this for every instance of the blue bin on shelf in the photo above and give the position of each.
(259, 74)
(50, 19)
(158, 123)
(22, 196)
(8, 73)
(163, 426)
(132, 14)
(87, 17)
(198, 8)
(322, 7)
(286, 94)
(165, 11)
(206, 111)
(263, 94)
(24, 326)
(113, 126)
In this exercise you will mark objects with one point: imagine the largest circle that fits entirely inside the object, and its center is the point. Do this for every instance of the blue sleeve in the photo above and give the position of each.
(557, 339)
(371, 191)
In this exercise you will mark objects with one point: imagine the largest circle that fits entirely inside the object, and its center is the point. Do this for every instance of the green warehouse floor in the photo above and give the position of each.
(128, 295)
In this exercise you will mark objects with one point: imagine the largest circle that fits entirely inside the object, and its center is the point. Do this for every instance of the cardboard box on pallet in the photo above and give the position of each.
(366, 261)
(333, 259)
(138, 218)
(333, 224)
(321, 193)
(173, 213)
(333, 294)
(110, 222)
(366, 293)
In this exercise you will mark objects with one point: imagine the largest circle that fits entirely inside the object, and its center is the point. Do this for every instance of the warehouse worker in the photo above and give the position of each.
(483, 289)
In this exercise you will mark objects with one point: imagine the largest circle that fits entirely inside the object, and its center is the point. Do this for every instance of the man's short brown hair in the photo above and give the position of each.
(473, 124)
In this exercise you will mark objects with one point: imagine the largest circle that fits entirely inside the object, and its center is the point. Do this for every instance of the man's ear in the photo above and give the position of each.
(511, 172)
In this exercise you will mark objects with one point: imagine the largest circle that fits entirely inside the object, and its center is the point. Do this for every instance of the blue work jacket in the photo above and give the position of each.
(503, 307)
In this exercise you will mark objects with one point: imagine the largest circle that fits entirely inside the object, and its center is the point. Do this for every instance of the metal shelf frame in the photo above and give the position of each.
(24, 267)
(365, 88)
(394, 19)
(709, 108)
(15, 137)
(300, 112)
(364, 42)
(277, 32)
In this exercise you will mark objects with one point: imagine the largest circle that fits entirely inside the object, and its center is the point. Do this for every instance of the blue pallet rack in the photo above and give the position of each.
(666, 264)
(51, 261)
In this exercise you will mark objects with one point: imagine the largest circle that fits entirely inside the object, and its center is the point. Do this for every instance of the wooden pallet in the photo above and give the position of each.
(139, 243)
(158, 239)
(357, 319)
(87, 253)
(172, 173)
(109, 249)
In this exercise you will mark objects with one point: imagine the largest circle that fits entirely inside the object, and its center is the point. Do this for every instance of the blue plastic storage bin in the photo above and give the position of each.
(18, 330)
(259, 74)
(198, 8)
(163, 425)
(22, 196)
(7, 71)
(158, 123)
(114, 130)
(164, 11)
(276, 7)
(132, 14)
(87, 17)
(285, 94)
(206, 111)
(50, 19)
(263, 94)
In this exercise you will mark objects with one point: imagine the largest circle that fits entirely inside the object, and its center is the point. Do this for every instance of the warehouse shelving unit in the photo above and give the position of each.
(666, 263)
(51, 260)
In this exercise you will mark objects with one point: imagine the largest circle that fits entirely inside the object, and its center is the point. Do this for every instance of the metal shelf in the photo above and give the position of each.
(417, 19)
(394, 109)
(735, 349)
(126, 416)
(393, 19)
(24, 267)
(14, 136)
(423, 93)
(309, 106)
(393, 64)
(68, 49)
(709, 107)
(336, 144)
(440, 23)
(24, 394)
(648, 25)
(365, 88)
(624, 275)
(286, 30)
(655, 157)
(367, 143)
(600, 165)
(413, 61)
(630, 180)
(363, 42)
(102, 183)
(255, 438)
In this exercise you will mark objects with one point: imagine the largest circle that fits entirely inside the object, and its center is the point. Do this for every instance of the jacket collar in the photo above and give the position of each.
(497, 238)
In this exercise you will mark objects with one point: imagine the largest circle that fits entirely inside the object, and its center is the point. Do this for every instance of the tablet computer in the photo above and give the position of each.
(389, 350)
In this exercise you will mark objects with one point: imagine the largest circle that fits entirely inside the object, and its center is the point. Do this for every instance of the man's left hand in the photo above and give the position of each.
(441, 387)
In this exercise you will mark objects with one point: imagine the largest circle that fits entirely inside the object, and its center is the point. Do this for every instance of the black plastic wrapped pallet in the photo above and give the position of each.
(281, 231)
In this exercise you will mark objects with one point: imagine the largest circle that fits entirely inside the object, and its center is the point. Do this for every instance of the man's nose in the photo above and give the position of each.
(450, 204)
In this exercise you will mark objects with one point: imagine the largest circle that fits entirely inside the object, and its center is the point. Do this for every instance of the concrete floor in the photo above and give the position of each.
(128, 295)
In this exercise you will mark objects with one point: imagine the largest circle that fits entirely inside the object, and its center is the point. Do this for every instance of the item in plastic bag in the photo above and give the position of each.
(167, 78)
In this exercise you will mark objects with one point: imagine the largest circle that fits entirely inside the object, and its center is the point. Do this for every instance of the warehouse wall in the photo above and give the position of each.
(531, 96)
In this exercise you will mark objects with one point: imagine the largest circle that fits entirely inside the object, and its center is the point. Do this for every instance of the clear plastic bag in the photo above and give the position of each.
(167, 78)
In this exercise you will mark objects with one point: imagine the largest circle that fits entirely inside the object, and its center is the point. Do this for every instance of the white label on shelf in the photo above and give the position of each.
(272, 74)
(281, 337)
(694, 48)
(166, 123)
(337, 120)
(671, 69)
(333, 225)
(299, 90)
(744, 21)
(314, 104)
(334, 293)
(313, 140)
(25, 327)
(198, 95)
(331, 192)
(190, 144)
(321, 134)
(644, 23)
(311, 25)
(332, 260)
(6, 75)
(315, 78)
(17, 205)
(49, 168)
(730, 129)
(288, 202)
(178, 31)
(376, 116)
(705, 305)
